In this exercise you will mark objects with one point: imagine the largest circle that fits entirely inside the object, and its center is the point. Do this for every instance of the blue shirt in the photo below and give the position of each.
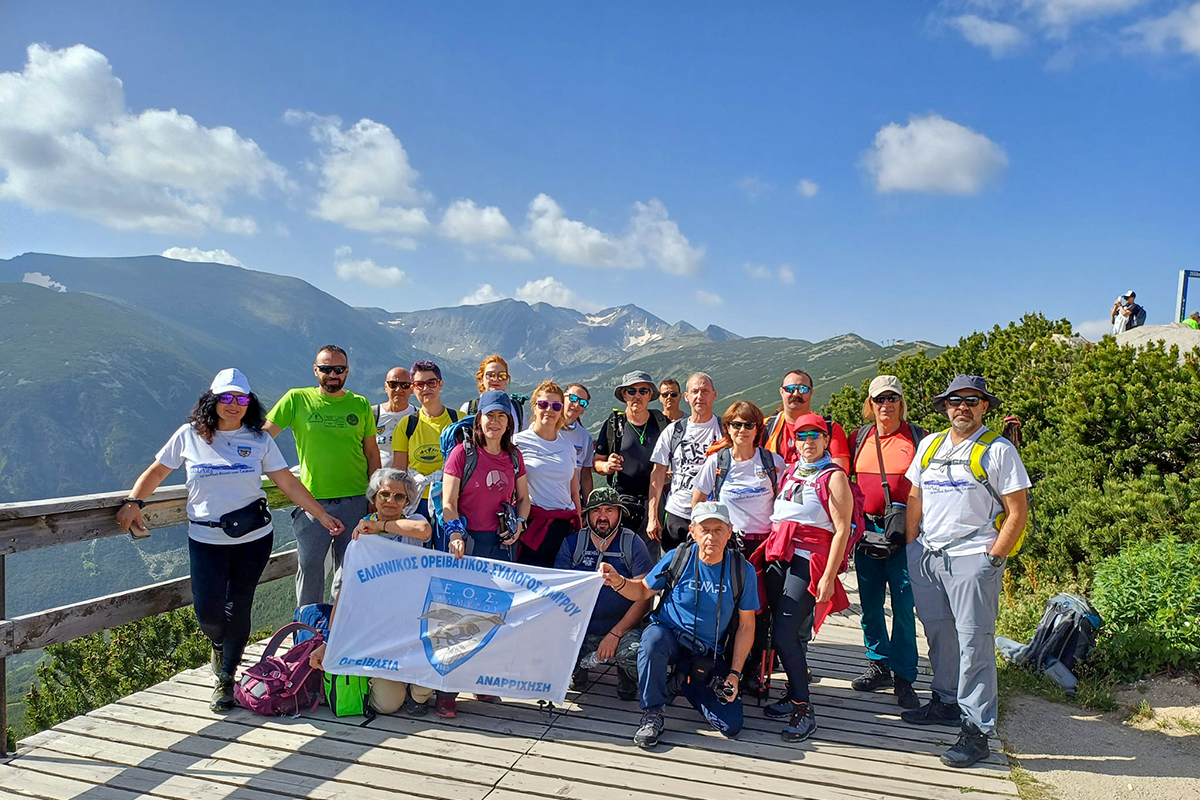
(610, 606)
(683, 611)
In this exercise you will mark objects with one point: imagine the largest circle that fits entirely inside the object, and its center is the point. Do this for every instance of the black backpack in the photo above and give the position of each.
(410, 422)
(737, 579)
(583, 539)
(1067, 632)
(725, 463)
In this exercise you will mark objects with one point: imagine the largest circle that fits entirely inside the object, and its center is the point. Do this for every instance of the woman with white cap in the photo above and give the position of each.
(226, 453)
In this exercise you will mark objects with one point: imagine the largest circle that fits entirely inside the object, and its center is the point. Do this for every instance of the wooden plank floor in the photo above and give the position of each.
(165, 743)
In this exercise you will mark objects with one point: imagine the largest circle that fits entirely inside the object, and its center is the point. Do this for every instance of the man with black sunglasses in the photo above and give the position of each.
(669, 395)
(398, 386)
(335, 442)
(578, 398)
(796, 395)
(966, 514)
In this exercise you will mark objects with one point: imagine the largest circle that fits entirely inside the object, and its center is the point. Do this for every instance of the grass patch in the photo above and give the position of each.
(1094, 693)
(1140, 712)
(1029, 787)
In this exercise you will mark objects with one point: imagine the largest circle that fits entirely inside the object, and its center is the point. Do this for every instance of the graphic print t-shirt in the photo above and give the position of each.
(424, 447)
(384, 430)
(490, 485)
(221, 477)
(747, 491)
(329, 435)
(682, 610)
(685, 461)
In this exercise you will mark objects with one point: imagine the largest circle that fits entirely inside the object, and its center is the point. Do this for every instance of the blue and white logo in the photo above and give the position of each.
(458, 621)
(244, 452)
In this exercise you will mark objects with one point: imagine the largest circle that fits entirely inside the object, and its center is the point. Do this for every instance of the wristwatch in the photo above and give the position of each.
(736, 672)
(996, 561)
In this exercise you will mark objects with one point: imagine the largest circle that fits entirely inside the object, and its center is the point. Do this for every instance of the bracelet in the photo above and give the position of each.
(624, 581)
(613, 633)
(128, 500)
(736, 672)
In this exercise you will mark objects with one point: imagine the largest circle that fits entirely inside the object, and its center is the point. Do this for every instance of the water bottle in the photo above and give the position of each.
(592, 660)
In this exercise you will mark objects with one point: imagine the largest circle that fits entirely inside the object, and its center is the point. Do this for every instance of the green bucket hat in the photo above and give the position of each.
(604, 496)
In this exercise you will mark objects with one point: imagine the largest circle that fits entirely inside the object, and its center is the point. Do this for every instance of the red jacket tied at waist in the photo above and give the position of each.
(781, 545)
(539, 523)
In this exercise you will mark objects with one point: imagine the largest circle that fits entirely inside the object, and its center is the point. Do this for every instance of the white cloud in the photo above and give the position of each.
(658, 236)
(38, 279)
(999, 38)
(484, 293)
(367, 183)
(1094, 330)
(468, 223)
(807, 188)
(1180, 28)
(366, 270)
(68, 143)
(708, 298)
(932, 154)
(549, 290)
(398, 242)
(786, 275)
(757, 271)
(761, 272)
(1060, 15)
(513, 252)
(204, 256)
(281, 230)
(753, 186)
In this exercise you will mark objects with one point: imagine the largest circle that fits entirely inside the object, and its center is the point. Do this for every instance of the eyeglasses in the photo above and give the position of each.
(954, 401)
(669, 395)
(739, 425)
(432, 383)
(807, 436)
(387, 497)
(554, 404)
(792, 388)
(890, 397)
(325, 369)
(496, 376)
(399, 384)
(229, 397)
(630, 391)
(582, 401)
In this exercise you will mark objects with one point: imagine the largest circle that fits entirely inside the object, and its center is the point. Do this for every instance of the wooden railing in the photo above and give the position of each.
(49, 523)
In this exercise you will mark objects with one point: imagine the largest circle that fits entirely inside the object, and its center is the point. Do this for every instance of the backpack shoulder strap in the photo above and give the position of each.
(916, 432)
(473, 405)
(375, 410)
(410, 424)
(737, 578)
(470, 462)
(975, 462)
(856, 441)
(455, 416)
(660, 418)
(724, 463)
(768, 463)
(679, 561)
(627, 538)
(581, 543)
(934, 444)
(677, 435)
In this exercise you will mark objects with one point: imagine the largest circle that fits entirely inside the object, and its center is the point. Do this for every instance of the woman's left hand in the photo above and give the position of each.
(825, 588)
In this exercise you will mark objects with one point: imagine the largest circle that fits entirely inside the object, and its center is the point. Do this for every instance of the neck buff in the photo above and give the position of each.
(806, 469)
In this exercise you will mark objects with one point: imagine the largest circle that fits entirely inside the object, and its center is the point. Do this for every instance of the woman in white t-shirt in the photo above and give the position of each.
(551, 466)
(225, 452)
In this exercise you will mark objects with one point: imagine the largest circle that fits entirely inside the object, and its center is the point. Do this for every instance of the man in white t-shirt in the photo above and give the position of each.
(398, 385)
(680, 450)
(578, 399)
(960, 531)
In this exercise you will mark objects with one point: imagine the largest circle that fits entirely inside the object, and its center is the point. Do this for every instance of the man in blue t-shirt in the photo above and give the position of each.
(689, 628)
(615, 629)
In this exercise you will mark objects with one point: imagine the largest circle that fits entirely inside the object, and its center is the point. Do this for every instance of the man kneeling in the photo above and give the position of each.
(615, 629)
(701, 582)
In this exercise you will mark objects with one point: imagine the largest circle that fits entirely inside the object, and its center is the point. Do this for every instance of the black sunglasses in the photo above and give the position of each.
(890, 397)
(325, 369)
(954, 401)
(738, 425)
(399, 384)
(669, 395)
(635, 390)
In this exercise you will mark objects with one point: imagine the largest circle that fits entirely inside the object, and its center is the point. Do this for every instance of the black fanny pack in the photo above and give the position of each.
(242, 520)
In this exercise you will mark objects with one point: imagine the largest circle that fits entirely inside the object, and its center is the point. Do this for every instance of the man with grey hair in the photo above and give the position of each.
(678, 457)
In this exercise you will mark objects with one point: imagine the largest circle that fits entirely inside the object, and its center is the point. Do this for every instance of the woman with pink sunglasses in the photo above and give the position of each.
(553, 478)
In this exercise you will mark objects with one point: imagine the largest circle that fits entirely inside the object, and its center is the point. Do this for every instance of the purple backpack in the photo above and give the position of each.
(286, 684)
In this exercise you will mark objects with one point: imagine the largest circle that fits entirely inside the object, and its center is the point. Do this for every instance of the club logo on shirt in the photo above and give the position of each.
(379, 431)
(352, 419)
(243, 451)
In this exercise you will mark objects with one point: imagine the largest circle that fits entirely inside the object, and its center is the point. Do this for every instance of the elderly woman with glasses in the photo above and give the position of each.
(395, 495)
(881, 452)
(550, 462)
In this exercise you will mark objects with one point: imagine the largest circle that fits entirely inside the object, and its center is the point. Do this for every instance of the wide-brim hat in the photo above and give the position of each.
(960, 382)
(633, 378)
(604, 496)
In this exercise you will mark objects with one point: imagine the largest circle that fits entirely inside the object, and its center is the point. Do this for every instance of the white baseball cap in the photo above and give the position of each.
(882, 384)
(230, 380)
(710, 509)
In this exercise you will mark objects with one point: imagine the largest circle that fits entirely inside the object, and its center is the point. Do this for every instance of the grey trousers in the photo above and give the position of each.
(958, 599)
(313, 543)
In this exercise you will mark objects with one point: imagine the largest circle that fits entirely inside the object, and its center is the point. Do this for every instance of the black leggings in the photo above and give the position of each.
(792, 604)
(224, 577)
(545, 554)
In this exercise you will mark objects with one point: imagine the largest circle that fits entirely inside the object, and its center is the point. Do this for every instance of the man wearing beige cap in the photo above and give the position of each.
(880, 452)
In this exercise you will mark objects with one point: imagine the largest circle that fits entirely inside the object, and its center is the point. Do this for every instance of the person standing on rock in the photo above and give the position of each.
(335, 441)
(961, 530)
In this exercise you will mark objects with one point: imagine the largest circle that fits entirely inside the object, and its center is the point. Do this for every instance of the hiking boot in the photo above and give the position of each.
(971, 747)
(222, 696)
(935, 712)
(648, 731)
(779, 709)
(877, 676)
(446, 706)
(413, 708)
(801, 725)
(579, 679)
(905, 695)
(627, 687)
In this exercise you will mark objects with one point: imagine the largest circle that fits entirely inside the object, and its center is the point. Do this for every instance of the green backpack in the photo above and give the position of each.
(349, 696)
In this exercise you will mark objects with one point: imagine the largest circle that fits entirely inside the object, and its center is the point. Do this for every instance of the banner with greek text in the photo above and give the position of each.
(468, 625)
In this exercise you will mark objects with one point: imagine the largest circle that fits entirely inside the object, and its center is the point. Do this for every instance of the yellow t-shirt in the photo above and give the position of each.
(424, 447)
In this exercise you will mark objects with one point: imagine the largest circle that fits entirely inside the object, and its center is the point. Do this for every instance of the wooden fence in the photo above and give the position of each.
(49, 523)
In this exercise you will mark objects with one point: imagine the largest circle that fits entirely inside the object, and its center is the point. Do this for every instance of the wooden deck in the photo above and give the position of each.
(165, 743)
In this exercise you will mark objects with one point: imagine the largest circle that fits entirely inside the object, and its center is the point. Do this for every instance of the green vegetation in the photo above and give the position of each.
(1111, 441)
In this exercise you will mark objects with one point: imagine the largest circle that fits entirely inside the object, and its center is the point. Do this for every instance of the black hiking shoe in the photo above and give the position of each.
(905, 695)
(877, 676)
(222, 696)
(652, 725)
(579, 679)
(935, 712)
(971, 747)
(627, 687)
(801, 725)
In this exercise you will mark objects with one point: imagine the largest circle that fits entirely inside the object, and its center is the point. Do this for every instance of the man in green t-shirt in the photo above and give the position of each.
(335, 440)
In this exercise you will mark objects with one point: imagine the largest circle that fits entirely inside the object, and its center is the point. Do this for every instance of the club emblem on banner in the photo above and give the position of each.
(459, 619)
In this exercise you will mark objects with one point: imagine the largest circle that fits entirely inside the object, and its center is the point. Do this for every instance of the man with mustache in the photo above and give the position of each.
(796, 394)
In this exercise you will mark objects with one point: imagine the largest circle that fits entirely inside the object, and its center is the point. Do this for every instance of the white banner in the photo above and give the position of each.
(471, 625)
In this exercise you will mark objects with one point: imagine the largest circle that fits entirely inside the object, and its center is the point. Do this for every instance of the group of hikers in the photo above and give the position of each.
(721, 539)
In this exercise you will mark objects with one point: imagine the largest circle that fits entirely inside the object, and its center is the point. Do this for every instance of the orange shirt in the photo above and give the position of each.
(898, 452)
(783, 442)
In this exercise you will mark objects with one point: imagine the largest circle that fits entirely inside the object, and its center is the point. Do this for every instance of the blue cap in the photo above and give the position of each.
(496, 401)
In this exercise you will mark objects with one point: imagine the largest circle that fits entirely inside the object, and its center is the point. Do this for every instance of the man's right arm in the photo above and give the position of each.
(272, 428)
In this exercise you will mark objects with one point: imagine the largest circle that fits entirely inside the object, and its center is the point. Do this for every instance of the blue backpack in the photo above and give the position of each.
(453, 435)
(315, 616)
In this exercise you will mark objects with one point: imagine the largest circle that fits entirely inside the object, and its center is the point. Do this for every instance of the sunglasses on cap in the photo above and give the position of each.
(554, 404)
(582, 401)
(669, 395)
(738, 425)
(429, 384)
(325, 369)
(632, 391)
(807, 436)
(890, 397)
(954, 401)
(792, 388)
(229, 397)
(399, 384)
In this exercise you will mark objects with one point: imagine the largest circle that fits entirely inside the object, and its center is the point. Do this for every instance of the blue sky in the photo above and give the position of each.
(964, 161)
